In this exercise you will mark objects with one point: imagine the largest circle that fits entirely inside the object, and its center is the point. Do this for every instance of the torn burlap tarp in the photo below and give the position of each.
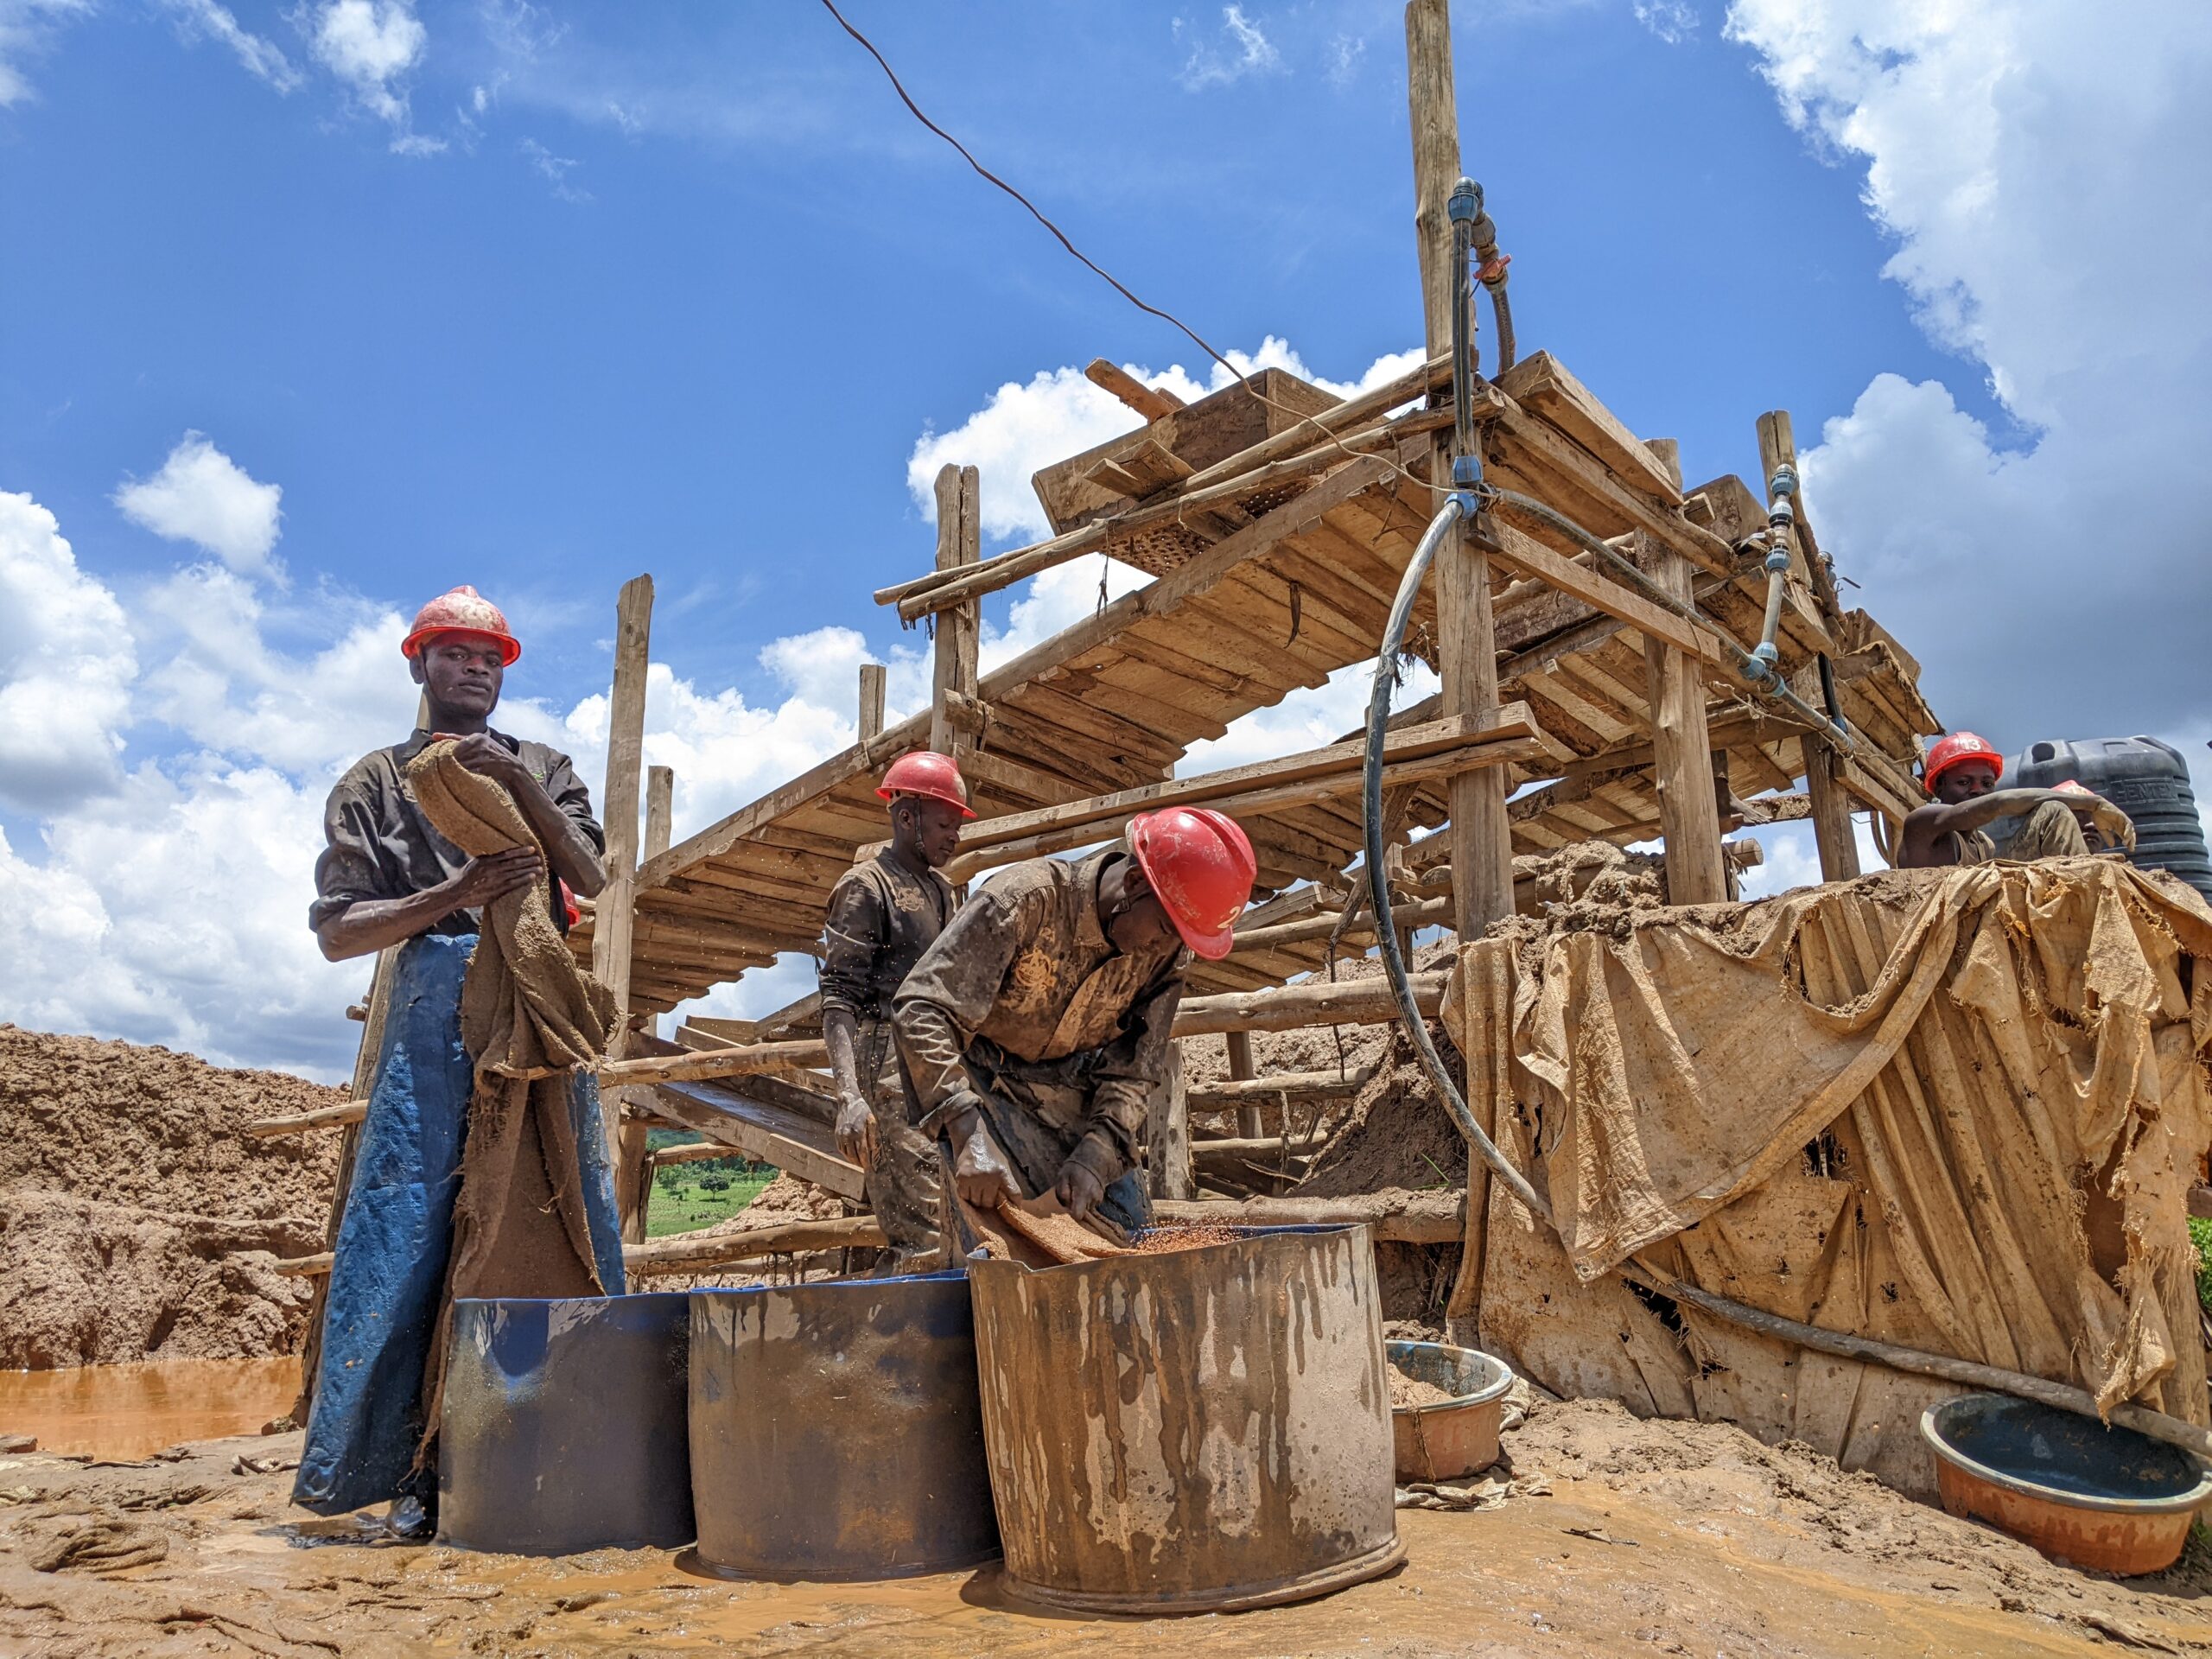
(531, 1020)
(1958, 1111)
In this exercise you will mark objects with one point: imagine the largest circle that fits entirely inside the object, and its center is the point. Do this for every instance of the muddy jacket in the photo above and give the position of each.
(882, 917)
(382, 847)
(1025, 990)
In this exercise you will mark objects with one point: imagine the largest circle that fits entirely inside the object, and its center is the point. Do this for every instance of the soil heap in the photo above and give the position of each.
(137, 1220)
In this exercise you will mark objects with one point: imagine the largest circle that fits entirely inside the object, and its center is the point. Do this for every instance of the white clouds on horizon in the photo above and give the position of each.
(201, 496)
(2078, 300)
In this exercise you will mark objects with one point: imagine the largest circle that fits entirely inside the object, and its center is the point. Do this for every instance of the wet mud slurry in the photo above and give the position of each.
(133, 1411)
(1657, 1538)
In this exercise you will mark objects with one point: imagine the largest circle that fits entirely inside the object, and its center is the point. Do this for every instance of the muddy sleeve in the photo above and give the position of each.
(355, 863)
(849, 942)
(1129, 1069)
(570, 794)
(951, 991)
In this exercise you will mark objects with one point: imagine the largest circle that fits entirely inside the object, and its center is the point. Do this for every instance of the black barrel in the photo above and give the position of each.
(835, 1430)
(1198, 1431)
(2144, 778)
(563, 1428)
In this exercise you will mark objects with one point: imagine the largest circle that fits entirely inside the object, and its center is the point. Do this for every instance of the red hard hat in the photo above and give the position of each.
(928, 773)
(461, 610)
(1200, 863)
(1957, 749)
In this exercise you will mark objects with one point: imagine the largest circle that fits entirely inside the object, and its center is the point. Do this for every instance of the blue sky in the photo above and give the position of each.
(540, 296)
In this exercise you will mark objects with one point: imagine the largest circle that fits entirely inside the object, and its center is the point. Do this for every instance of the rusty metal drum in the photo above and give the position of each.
(1194, 1430)
(562, 1426)
(835, 1430)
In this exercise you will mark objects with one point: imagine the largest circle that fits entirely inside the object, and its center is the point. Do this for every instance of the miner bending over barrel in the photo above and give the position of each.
(1036, 1027)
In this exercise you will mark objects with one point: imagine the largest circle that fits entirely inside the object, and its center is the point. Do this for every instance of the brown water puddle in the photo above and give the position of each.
(131, 1411)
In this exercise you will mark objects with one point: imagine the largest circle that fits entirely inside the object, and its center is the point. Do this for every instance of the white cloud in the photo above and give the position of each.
(65, 666)
(373, 46)
(2036, 162)
(1346, 52)
(1242, 49)
(260, 58)
(1672, 20)
(26, 27)
(554, 169)
(201, 496)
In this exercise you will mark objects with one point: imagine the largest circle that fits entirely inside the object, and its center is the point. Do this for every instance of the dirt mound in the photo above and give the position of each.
(137, 1219)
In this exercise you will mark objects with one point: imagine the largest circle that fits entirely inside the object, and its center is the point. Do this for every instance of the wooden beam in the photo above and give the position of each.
(697, 1152)
(796, 1145)
(1543, 384)
(1241, 1069)
(1681, 744)
(1151, 402)
(1167, 1133)
(323, 1118)
(660, 809)
(741, 1059)
(1601, 593)
(688, 1255)
(613, 916)
(873, 676)
(1397, 1216)
(959, 546)
(1315, 1002)
(1241, 1091)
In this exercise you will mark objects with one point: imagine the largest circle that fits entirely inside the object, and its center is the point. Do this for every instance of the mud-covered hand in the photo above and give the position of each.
(1079, 1190)
(856, 1130)
(488, 757)
(2114, 825)
(494, 876)
(981, 1173)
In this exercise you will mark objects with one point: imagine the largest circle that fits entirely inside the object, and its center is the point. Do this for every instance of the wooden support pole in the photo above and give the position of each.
(1396, 1215)
(873, 679)
(1482, 845)
(614, 924)
(1280, 1085)
(1832, 832)
(1681, 744)
(660, 809)
(1167, 1133)
(959, 544)
(1241, 1069)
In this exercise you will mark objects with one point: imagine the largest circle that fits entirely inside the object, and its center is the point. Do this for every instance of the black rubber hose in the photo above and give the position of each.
(1502, 309)
(1378, 882)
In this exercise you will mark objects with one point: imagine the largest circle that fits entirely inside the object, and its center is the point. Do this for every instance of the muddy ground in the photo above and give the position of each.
(1655, 1537)
(137, 1220)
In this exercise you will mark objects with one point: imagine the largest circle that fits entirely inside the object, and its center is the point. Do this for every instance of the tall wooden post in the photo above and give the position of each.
(1681, 744)
(959, 542)
(1482, 843)
(873, 679)
(1240, 1070)
(660, 810)
(1167, 1133)
(614, 917)
(1832, 832)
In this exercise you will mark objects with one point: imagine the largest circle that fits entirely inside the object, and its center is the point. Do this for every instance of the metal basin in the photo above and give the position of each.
(836, 1433)
(562, 1425)
(1195, 1431)
(1448, 1439)
(2099, 1497)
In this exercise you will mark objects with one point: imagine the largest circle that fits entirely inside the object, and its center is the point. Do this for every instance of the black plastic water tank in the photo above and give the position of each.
(2144, 778)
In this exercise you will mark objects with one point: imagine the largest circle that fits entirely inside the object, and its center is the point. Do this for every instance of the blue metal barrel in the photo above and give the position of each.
(563, 1427)
(835, 1431)
(1197, 1431)
(2144, 778)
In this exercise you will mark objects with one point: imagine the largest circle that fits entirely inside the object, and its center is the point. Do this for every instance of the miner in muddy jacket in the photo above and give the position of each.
(1036, 1027)
(884, 913)
(388, 878)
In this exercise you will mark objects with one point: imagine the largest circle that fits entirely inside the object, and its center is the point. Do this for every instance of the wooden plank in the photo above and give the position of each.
(1600, 592)
(660, 809)
(1525, 441)
(875, 676)
(1343, 1002)
(733, 1062)
(323, 1118)
(765, 1134)
(1151, 402)
(689, 1254)
(959, 545)
(1682, 742)
(1395, 1215)
(613, 916)
(1543, 384)
(1241, 1091)
(1167, 1133)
